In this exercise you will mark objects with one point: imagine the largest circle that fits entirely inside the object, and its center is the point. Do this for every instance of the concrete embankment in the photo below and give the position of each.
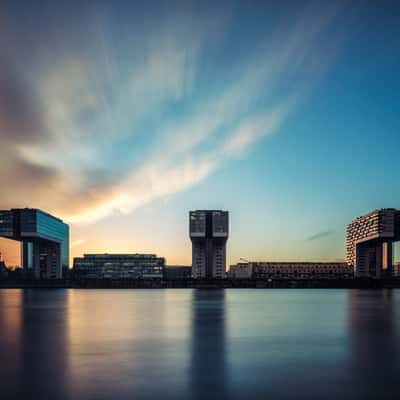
(205, 284)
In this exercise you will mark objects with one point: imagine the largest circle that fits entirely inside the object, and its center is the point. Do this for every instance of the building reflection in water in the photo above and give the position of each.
(43, 368)
(10, 332)
(128, 344)
(208, 364)
(374, 344)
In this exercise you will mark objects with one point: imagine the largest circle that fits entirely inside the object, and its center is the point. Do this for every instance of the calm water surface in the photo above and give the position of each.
(199, 344)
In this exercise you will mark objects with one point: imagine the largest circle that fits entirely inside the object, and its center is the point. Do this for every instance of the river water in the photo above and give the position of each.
(199, 344)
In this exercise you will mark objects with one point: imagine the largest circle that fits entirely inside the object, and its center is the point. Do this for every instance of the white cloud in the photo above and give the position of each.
(92, 102)
(161, 177)
(252, 129)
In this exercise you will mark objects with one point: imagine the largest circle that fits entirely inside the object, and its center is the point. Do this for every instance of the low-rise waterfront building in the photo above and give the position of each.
(119, 266)
(291, 270)
(177, 272)
(241, 271)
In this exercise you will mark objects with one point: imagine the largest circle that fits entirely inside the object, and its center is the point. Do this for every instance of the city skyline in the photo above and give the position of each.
(379, 227)
(285, 115)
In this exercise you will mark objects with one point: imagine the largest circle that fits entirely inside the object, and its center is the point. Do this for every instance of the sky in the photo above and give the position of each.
(120, 117)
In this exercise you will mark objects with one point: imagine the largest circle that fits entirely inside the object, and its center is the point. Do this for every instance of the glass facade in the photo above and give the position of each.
(6, 224)
(197, 225)
(54, 228)
(45, 240)
(27, 218)
(220, 223)
(29, 256)
(119, 266)
(39, 224)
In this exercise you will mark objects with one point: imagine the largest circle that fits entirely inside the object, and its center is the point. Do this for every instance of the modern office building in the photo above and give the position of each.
(208, 231)
(370, 241)
(291, 270)
(118, 266)
(45, 240)
(177, 272)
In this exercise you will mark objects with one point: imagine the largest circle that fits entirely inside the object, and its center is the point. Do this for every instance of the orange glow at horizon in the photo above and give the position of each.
(10, 251)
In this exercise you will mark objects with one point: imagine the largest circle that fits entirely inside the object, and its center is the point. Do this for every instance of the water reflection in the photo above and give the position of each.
(128, 344)
(374, 344)
(208, 364)
(200, 344)
(33, 344)
(10, 330)
(43, 347)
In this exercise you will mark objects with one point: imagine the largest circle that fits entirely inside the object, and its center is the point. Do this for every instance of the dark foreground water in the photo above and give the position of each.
(199, 344)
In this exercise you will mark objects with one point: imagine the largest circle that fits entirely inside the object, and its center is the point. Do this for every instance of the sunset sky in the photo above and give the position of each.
(122, 116)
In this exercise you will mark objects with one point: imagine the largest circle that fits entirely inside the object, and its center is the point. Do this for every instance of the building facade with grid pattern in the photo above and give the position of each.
(370, 241)
(209, 231)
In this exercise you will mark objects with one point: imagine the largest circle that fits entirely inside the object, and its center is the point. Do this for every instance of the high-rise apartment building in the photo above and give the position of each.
(208, 231)
(45, 240)
(370, 242)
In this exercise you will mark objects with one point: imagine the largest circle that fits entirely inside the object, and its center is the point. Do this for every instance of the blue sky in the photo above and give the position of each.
(122, 117)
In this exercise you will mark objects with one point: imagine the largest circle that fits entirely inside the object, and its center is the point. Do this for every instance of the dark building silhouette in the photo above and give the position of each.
(45, 240)
(208, 231)
(3, 268)
(370, 242)
(177, 272)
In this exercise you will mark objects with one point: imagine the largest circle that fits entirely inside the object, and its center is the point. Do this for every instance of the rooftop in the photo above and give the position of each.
(39, 210)
(375, 212)
(116, 255)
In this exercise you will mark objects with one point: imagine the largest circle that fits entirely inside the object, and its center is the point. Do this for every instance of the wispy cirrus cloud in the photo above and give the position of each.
(320, 235)
(132, 114)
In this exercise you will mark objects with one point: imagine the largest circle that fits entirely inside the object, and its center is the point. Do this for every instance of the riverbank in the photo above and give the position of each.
(205, 284)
